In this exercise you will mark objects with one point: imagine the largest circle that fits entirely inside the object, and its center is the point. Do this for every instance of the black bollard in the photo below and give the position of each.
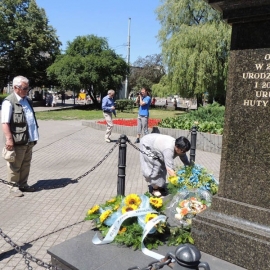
(187, 257)
(122, 165)
(193, 144)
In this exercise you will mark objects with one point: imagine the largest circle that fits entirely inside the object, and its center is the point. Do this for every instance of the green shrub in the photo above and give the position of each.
(209, 118)
(2, 97)
(124, 105)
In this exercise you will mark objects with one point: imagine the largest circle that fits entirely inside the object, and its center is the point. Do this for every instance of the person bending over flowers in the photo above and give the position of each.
(161, 151)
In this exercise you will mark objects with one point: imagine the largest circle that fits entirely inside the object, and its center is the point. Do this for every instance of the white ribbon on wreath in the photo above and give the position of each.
(117, 224)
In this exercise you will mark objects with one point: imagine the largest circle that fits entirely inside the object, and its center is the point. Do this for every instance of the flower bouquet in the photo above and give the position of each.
(190, 177)
(124, 220)
(186, 204)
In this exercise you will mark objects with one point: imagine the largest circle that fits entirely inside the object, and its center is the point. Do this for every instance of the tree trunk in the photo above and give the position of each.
(94, 99)
(199, 100)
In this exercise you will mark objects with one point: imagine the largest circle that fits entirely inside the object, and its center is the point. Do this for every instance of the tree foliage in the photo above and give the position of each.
(28, 44)
(162, 89)
(195, 44)
(146, 72)
(89, 64)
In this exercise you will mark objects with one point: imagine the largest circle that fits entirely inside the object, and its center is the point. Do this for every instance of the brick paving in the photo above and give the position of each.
(66, 150)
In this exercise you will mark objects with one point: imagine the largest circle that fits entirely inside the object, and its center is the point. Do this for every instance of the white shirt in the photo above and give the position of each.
(6, 114)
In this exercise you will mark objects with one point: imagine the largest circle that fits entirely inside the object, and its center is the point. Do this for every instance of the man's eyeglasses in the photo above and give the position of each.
(22, 88)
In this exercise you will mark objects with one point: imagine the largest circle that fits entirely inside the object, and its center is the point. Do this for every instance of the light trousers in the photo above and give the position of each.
(142, 125)
(18, 171)
(108, 119)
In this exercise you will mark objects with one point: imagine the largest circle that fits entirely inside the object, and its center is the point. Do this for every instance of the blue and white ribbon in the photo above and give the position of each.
(149, 225)
(117, 224)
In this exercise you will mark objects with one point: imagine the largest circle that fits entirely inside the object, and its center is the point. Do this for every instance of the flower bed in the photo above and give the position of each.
(131, 122)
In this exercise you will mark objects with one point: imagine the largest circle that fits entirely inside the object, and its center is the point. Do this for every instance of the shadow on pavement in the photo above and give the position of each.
(12, 252)
(53, 183)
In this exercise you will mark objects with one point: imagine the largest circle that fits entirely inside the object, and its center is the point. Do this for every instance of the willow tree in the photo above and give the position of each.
(28, 44)
(195, 44)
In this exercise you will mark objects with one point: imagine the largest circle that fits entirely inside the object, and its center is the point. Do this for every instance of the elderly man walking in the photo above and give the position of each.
(108, 107)
(20, 129)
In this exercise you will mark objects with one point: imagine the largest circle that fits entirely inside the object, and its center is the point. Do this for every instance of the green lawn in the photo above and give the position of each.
(80, 114)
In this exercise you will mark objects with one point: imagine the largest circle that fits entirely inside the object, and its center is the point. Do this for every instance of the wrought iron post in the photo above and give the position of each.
(122, 165)
(193, 143)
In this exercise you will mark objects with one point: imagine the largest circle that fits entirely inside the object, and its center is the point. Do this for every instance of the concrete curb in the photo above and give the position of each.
(205, 141)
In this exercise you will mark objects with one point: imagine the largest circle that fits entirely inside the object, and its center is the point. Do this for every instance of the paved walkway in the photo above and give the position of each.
(66, 150)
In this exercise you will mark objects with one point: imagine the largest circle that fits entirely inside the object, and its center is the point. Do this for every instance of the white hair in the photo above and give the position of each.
(111, 92)
(19, 79)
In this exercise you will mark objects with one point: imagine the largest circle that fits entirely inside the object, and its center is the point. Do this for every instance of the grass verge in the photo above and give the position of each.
(79, 114)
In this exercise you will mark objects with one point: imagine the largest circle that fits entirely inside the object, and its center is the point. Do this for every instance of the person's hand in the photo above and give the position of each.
(171, 172)
(9, 144)
(113, 108)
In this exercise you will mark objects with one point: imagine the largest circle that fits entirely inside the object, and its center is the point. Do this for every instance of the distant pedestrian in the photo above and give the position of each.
(63, 97)
(175, 104)
(143, 114)
(166, 104)
(54, 100)
(20, 129)
(108, 107)
(153, 103)
(187, 104)
(48, 100)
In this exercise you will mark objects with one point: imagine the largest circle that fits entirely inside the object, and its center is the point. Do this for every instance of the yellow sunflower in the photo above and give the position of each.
(116, 207)
(128, 208)
(156, 202)
(149, 216)
(105, 215)
(173, 180)
(122, 230)
(133, 199)
(93, 210)
(111, 200)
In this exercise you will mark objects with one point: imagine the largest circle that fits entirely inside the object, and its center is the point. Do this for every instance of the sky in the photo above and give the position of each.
(109, 19)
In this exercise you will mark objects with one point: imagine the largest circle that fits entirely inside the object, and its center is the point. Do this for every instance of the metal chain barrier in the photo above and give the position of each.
(137, 148)
(72, 181)
(149, 154)
(27, 256)
(189, 133)
(155, 265)
(208, 139)
(61, 229)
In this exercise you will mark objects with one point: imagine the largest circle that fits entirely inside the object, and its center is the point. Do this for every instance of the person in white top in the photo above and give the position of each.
(20, 130)
(54, 100)
(157, 159)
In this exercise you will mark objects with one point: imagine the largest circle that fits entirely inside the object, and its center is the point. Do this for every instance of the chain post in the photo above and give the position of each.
(193, 143)
(122, 165)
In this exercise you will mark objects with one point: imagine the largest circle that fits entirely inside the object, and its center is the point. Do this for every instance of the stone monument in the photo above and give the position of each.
(237, 227)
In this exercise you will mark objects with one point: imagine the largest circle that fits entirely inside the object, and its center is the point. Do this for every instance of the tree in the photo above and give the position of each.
(161, 89)
(28, 45)
(195, 44)
(89, 64)
(146, 72)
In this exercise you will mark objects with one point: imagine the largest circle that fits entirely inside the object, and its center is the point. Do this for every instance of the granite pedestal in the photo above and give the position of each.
(237, 227)
(79, 253)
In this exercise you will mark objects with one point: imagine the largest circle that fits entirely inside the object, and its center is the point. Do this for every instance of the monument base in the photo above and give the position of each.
(232, 237)
(79, 253)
